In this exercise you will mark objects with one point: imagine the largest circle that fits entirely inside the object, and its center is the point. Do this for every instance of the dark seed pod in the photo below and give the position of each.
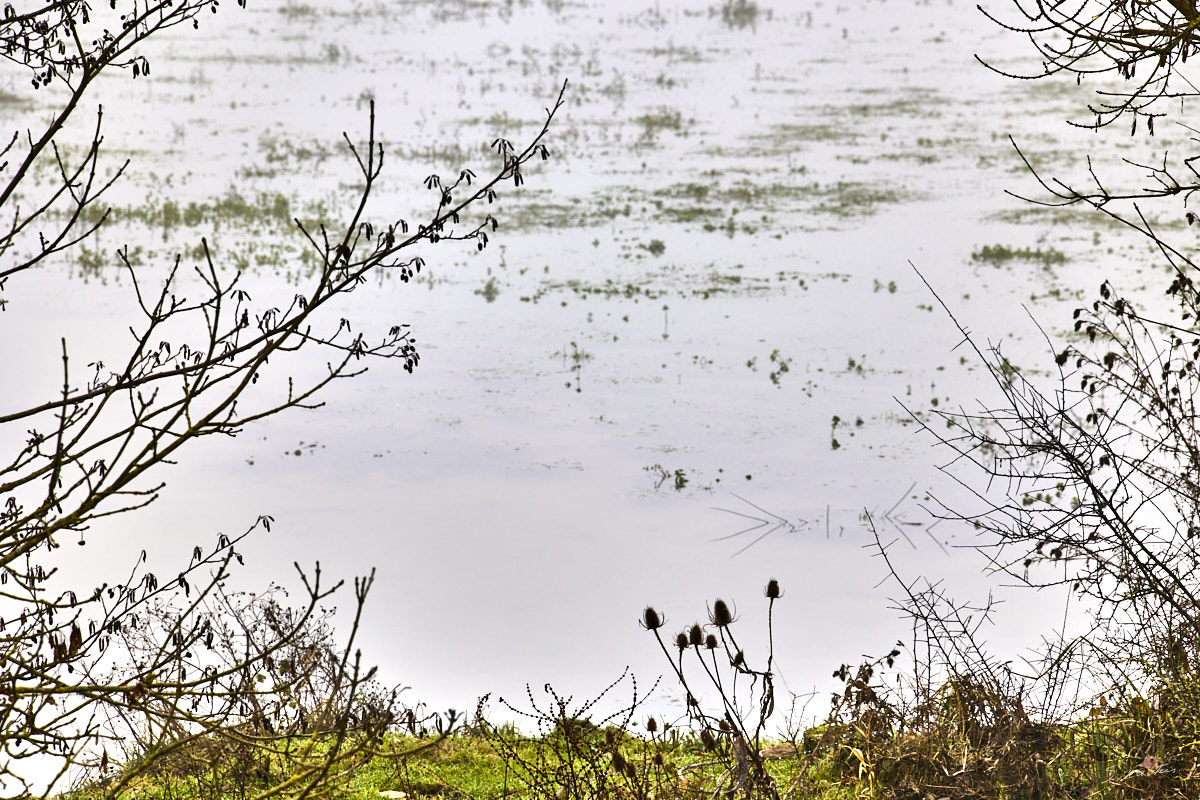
(772, 590)
(696, 636)
(651, 619)
(618, 761)
(710, 642)
(681, 641)
(720, 615)
(652, 724)
(708, 740)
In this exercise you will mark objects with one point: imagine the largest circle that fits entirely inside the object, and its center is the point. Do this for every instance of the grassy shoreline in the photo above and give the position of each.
(972, 745)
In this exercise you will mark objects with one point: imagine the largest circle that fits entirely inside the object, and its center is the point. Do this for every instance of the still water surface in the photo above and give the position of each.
(724, 200)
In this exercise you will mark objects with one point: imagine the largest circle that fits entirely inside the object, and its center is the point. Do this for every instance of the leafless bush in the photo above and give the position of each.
(1093, 473)
(191, 678)
(1085, 478)
(573, 756)
(1086, 38)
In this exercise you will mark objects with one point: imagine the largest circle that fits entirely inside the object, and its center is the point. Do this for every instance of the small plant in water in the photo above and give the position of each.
(1000, 254)
(782, 365)
(739, 13)
(575, 358)
(490, 291)
(662, 475)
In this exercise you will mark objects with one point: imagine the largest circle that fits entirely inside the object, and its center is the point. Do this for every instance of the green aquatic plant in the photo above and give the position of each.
(1000, 254)
(678, 479)
(739, 13)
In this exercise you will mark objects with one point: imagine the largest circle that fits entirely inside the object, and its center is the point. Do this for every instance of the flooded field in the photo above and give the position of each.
(703, 306)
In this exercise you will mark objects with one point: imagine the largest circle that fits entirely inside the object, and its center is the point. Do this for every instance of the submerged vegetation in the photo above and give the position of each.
(273, 212)
(1000, 254)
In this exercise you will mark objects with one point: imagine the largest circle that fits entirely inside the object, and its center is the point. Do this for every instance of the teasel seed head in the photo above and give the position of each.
(681, 641)
(772, 591)
(610, 737)
(651, 619)
(652, 724)
(630, 771)
(719, 614)
(618, 761)
(710, 642)
(659, 761)
(708, 740)
(696, 636)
